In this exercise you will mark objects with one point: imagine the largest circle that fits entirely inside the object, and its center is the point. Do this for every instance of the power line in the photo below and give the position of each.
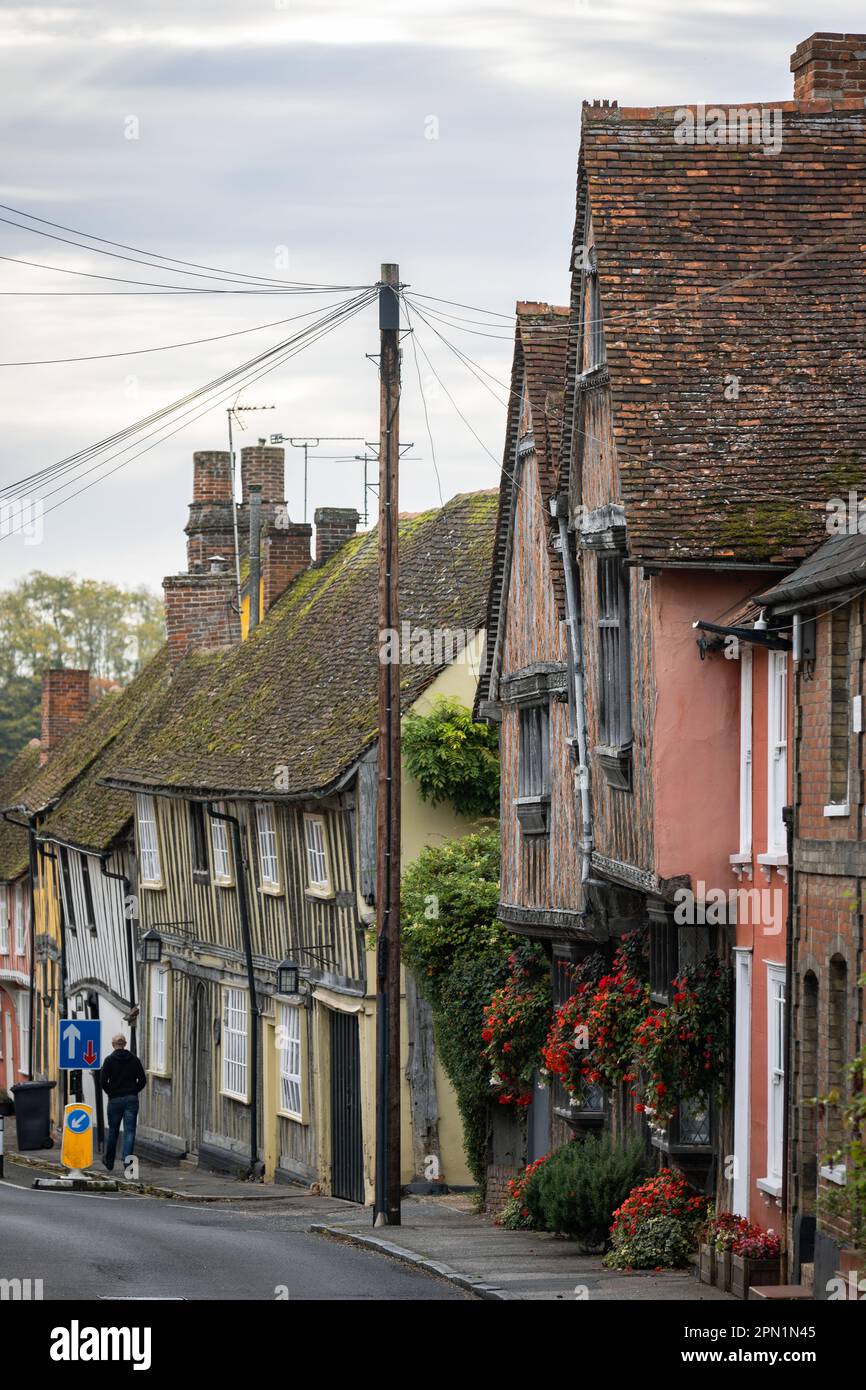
(244, 374)
(194, 289)
(210, 405)
(164, 347)
(152, 255)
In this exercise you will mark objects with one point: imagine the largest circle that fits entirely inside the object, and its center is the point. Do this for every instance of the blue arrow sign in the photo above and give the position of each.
(80, 1044)
(78, 1121)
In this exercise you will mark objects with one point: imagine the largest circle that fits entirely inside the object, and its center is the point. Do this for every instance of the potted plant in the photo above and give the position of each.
(754, 1260)
(7, 1104)
(721, 1235)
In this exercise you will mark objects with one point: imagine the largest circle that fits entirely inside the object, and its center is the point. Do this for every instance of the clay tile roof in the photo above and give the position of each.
(723, 262)
(13, 839)
(541, 343)
(289, 711)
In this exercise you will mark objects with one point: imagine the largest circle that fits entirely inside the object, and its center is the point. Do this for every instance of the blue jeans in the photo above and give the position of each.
(123, 1108)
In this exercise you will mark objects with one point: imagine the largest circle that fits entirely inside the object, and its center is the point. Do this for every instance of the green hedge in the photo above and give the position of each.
(577, 1190)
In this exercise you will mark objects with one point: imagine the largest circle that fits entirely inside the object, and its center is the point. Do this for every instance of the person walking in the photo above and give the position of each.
(123, 1077)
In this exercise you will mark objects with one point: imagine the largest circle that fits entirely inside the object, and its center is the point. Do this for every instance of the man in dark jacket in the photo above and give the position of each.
(123, 1077)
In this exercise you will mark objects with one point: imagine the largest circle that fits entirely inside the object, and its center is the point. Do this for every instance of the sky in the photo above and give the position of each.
(307, 140)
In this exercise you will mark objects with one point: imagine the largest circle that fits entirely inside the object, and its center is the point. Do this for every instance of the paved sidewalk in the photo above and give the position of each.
(444, 1236)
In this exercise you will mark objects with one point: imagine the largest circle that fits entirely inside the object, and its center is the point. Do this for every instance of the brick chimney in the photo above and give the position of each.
(285, 555)
(210, 529)
(65, 702)
(266, 466)
(334, 526)
(201, 610)
(829, 66)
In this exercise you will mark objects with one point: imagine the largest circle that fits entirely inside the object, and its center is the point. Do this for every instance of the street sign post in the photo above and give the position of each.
(77, 1151)
(80, 1044)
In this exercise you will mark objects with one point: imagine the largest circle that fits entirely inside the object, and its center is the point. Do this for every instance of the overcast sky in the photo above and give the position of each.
(299, 130)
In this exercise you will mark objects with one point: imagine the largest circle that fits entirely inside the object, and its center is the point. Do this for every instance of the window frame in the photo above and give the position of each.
(840, 712)
(533, 766)
(777, 987)
(234, 993)
(613, 686)
(198, 842)
(4, 919)
(221, 851)
(19, 921)
(746, 753)
(25, 1038)
(294, 1053)
(158, 1056)
(318, 888)
(149, 855)
(777, 752)
(267, 810)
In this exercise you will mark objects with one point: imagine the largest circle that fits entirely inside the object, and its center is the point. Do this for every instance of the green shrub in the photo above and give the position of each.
(453, 759)
(578, 1189)
(657, 1226)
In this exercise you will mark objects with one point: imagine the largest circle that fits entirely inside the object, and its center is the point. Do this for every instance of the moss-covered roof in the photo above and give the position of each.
(88, 815)
(289, 711)
(13, 838)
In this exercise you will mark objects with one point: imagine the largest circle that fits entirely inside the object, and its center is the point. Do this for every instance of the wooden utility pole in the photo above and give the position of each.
(387, 1204)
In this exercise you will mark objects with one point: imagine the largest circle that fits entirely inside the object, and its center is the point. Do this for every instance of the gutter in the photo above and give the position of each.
(559, 508)
(243, 907)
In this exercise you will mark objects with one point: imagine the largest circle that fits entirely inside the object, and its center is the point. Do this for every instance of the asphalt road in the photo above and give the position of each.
(92, 1246)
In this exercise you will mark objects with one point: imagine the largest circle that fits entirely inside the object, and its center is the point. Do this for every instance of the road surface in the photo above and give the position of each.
(98, 1246)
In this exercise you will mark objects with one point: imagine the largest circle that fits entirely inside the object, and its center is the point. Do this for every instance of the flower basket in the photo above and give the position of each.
(746, 1272)
(707, 1264)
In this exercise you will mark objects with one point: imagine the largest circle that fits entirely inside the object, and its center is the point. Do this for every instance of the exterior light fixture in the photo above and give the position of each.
(288, 977)
(151, 947)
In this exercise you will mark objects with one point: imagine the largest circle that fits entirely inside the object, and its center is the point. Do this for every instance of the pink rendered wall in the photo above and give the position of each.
(696, 732)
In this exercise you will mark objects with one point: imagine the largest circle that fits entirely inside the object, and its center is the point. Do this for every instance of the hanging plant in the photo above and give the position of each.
(682, 1049)
(451, 758)
(591, 1040)
(515, 1025)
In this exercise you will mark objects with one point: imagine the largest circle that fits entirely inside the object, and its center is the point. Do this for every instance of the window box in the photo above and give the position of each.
(615, 765)
(533, 813)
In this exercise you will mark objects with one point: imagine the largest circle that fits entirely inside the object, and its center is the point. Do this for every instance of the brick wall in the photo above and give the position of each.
(265, 465)
(210, 528)
(200, 612)
(334, 526)
(830, 898)
(829, 66)
(285, 555)
(65, 702)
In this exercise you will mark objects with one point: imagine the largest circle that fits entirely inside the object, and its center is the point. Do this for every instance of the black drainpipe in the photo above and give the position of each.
(788, 817)
(130, 942)
(61, 918)
(243, 907)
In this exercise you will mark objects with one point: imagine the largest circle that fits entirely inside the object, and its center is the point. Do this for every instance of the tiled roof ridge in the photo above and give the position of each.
(820, 106)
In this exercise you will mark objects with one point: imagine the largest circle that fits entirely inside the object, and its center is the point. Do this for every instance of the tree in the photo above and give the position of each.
(58, 620)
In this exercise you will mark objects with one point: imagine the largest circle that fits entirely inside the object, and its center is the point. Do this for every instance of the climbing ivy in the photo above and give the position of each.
(453, 759)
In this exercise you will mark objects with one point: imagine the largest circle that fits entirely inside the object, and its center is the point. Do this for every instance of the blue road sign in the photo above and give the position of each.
(78, 1120)
(80, 1044)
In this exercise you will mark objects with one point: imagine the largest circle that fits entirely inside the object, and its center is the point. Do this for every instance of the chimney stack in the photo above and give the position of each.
(286, 555)
(210, 529)
(65, 702)
(265, 467)
(201, 609)
(830, 67)
(334, 526)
